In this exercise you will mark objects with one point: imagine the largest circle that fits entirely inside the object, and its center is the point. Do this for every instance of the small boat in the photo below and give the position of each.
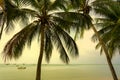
(7, 64)
(21, 67)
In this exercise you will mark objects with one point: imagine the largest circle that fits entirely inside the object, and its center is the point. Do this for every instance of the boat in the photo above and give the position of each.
(21, 67)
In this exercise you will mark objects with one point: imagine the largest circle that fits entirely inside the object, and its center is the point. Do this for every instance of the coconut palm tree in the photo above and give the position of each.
(49, 26)
(109, 32)
(84, 8)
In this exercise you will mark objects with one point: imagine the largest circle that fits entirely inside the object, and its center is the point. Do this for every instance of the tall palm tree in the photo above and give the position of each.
(84, 8)
(110, 24)
(49, 26)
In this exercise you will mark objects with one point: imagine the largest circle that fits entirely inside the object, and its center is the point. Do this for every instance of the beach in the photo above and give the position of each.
(59, 72)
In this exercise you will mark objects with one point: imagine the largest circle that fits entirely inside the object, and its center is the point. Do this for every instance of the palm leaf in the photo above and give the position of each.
(81, 19)
(68, 41)
(48, 45)
(63, 53)
(57, 41)
(14, 14)
(14, 47)
(58, 4)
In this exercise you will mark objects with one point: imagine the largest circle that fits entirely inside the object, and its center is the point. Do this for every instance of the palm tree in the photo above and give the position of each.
(109, 32)
(84, 8)
(47, 25)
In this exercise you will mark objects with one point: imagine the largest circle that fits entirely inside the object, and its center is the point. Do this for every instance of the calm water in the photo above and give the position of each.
(58, 72)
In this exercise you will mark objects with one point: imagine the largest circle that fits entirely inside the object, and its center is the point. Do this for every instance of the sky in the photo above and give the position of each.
(87, 52)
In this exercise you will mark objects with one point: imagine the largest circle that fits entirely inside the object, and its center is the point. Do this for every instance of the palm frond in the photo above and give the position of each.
(58, 4)
(20, 3)
(82, 19)
(14, 14)
(65, 24)
(15, 46)
(76, 3)
(98, 3)
(57, 41)
(33, 3)
(63, 53)
(68, 41)
(107, 10)
(48, 45)
(35, 28)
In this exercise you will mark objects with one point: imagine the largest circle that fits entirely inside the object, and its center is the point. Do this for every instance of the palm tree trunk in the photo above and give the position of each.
(106, 53)
(38, 72)
(2, 27)
(3, 17)
(1, 31)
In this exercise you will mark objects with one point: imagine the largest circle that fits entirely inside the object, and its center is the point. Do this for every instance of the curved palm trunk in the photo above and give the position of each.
(106, 53)
(38, 72)
(2, 27)
(3, 18)
(1, 31)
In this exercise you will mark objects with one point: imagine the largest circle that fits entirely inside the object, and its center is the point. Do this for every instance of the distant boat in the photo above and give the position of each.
(7, 64)
(21, 67)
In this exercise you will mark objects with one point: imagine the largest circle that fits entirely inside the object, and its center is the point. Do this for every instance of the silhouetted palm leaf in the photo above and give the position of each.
(109, 24)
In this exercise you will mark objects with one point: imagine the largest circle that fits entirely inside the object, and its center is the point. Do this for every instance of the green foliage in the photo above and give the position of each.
(53, 24)
(109, 25)
(15, 45)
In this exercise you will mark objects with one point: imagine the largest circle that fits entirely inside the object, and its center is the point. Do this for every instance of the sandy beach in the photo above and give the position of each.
(58, 72)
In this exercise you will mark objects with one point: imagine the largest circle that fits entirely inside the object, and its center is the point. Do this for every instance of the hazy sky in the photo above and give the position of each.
(88, 54)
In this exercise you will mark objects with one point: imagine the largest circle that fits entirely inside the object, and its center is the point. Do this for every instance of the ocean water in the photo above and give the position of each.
(58, 72)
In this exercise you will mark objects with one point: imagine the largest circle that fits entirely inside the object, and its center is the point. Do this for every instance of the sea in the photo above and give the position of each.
(58, 72)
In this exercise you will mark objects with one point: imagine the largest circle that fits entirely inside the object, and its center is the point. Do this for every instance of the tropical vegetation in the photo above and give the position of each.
(108, 26)
(51, 23)
(48, 25)
(99, 7)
